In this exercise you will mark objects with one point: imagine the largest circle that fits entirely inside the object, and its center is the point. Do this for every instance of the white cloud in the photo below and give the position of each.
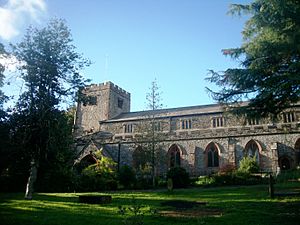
(15, 13)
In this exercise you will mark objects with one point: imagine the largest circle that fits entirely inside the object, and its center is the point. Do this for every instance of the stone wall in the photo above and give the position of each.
(107, 101)
(274, 142)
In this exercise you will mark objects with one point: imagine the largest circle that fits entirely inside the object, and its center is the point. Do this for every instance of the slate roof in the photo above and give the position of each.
(171, 112)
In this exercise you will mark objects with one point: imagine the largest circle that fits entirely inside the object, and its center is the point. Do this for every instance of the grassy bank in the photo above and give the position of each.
(224, 205)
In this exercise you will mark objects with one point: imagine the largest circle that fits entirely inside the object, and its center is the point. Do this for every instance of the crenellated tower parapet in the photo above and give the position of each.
(105, 101)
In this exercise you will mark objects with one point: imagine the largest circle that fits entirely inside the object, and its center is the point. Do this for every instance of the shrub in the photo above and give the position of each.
(227, 169)
(179, 177)
(288, 175)
(98, 176)
(248, 165)
(205, 180)
(144, 177)
(161, 182)
(127, 176)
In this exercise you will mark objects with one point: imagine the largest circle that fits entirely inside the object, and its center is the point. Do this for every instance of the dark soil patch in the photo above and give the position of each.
(191, 213)
(182, 204)
(184, 208)
(95, 199)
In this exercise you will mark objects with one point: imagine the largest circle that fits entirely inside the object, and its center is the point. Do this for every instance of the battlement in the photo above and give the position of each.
(105, 85)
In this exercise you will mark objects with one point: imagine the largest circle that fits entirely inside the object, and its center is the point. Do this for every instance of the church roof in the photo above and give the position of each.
(171, 112)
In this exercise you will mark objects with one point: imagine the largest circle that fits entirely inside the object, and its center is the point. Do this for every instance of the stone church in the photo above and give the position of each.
(202, 139)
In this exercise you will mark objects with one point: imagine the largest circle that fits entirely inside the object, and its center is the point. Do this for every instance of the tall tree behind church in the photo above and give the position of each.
(50, 68)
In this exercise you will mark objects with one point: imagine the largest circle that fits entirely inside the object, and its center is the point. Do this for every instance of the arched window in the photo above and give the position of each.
(284, 163)
(212, 155)
(174, 156)
(252, 150)
(140, 158)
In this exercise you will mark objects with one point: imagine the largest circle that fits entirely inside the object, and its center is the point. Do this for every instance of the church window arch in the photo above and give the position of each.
(140, 158)
(174, 156)
(284, 163)
(252, 149)
(212, 155)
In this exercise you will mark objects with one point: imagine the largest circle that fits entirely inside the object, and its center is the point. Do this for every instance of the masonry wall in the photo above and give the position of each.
(102, 102)
(275, 142)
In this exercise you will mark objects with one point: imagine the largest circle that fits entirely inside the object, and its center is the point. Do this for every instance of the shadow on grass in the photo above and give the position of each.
(238, 205)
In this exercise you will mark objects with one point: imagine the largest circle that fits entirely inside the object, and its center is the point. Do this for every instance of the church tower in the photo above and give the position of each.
(103, 102)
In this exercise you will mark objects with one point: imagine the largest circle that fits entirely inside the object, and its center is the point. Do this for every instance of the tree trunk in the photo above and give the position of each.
(153, 164)
(31, 180)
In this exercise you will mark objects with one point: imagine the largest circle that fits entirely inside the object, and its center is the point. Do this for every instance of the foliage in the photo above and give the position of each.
(55, 172)
(179, 177)
(5, 155)
(126, 176)
(134, 214)
(248, 165)
(3, 97)
(144, 176)
(205, 180)
(270, 60)
(150, 129)
(98, 176)
(229, 175)
(234, 178)
(227, 169)
(50, 68)
(288, 176)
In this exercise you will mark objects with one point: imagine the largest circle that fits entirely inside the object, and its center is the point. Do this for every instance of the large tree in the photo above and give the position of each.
(269, 76)
(3, 54)
(50, 68)
(4, 128)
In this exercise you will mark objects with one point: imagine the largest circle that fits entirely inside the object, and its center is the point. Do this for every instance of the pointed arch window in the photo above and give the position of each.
(174, 156)
(252, 150)
(212, 155)
(140, 158)
(284, 163)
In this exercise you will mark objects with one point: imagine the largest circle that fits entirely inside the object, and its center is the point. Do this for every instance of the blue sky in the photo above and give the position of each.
(132, 42)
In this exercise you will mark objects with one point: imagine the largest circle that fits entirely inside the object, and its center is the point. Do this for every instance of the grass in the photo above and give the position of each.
(235, 205)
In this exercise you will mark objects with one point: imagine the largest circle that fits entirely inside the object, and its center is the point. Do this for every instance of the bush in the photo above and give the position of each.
(161, 182)
(227, 169)
(144, 177)
(248, 165)
(98, 176)
(57, 179)
(205, 180)
(127, 176)
(90, 180)
(288, 175)
(228, 175)
(179, 177)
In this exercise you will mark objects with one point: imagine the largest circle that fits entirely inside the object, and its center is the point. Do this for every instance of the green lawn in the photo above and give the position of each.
(232, 205)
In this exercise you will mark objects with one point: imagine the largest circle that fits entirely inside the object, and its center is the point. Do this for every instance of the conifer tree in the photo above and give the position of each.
(269, 76)
(50, 68)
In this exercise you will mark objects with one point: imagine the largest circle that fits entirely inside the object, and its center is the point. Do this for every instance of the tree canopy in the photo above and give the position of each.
(51, 70)
(269, 75)
(3, 54)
